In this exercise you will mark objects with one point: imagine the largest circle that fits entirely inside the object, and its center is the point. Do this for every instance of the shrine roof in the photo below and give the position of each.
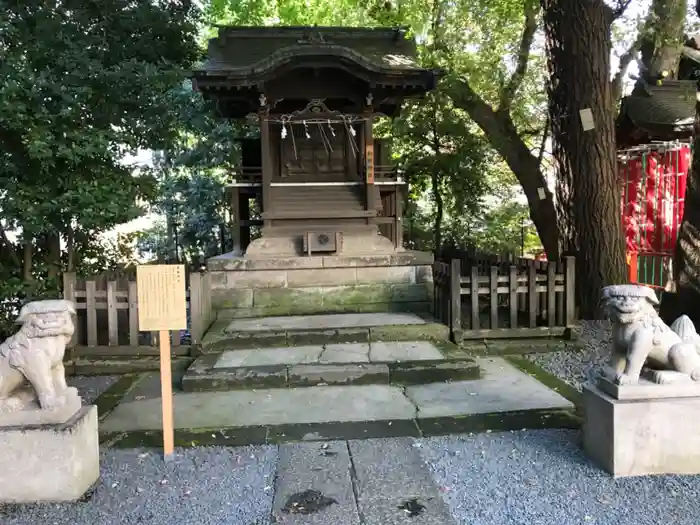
(247, 52)
(671, 104)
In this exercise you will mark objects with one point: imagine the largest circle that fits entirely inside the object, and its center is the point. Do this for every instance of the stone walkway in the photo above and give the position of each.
(502, 389)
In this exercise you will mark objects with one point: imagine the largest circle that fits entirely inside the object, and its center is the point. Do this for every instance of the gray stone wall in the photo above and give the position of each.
(307, 285)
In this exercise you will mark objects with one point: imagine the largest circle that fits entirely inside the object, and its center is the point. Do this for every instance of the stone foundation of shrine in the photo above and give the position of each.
(304, 285)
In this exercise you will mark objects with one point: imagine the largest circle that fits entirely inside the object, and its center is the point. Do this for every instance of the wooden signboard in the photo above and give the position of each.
(369, 163)
(162, 306)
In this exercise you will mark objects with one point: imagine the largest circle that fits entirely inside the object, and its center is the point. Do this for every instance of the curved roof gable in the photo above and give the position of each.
(249, 54)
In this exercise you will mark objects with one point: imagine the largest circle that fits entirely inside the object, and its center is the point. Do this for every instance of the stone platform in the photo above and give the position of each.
(300, 330)
(503, 398)
(52, 462)
(246, 287)
(407, 362)
(643, 429)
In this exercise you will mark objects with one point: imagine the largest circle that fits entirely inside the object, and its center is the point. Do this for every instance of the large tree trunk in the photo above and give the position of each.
(578, 46)
(687, 256)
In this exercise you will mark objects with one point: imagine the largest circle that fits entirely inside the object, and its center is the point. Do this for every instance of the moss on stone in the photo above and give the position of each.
(415, 332)
(232, 298)
(337, 431)
(409, 293)
(275, 434)
(499, 421)
(321, 337)
(423, 372)
(458, 352)
(531, 345)
(289, 298)
(110, 398)
(547, 379)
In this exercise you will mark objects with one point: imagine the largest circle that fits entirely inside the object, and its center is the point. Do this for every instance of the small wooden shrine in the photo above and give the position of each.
(660, 109)
(321, 182)
(654, 130)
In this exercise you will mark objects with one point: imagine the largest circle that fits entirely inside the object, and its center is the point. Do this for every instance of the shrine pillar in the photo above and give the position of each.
(266, 164)
(371, 204)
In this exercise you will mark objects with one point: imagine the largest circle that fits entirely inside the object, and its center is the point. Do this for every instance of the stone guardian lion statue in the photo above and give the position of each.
(35, 354)
(640, 338)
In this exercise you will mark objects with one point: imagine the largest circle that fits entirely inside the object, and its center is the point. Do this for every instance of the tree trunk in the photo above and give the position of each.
(437, 191)
(70, 249)
(578, 47)
(662, 39)
(687, 257)
(439, 211)
(53, 255)
(27, 258)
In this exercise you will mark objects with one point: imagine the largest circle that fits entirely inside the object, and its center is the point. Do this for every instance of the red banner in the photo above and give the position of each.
(653, 192)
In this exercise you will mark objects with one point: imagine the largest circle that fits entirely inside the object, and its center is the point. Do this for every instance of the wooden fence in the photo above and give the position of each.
(107, 311)
(653, 269)
(515, 298)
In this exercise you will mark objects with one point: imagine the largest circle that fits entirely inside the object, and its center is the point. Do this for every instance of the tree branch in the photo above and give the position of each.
(622, 5)
(625, 61)
(532, 9)
(499, 128)
(545, 136)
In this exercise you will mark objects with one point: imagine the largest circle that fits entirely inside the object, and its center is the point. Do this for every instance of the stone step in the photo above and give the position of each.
(388, 362)
(504, 398)
(228, 334)
(281, 376)
(125, 352)
(100, 365)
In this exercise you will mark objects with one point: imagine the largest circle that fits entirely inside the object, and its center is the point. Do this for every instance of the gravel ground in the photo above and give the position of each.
(203, 486)
(543, 478)
(510, 478)
(576, 366)
(90, 387)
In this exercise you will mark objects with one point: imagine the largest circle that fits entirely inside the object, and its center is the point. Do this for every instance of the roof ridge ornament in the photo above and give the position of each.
(312, 37)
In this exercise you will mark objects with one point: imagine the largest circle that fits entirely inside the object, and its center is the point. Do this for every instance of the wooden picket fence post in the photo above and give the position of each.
(505, 297)
(112, 297)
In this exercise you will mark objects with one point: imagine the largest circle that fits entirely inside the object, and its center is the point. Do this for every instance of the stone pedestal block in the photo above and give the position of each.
(50, 463)
(634, 436)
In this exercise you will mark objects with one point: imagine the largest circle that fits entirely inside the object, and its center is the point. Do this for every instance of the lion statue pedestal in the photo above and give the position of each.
(642, 414)
(49, 440)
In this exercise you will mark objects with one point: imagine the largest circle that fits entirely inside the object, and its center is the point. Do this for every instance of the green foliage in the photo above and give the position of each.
(82, 83)
(192, 173)
(193, 206)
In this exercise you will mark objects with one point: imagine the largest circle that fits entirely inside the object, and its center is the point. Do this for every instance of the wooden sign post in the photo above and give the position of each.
(162, 307)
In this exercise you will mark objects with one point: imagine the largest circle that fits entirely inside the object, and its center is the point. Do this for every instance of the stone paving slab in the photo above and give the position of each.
(287, 355)
(309, 466)
(388, 473)
(345, 353)
(341, 353)
(266, 407)
(322, 322)
(398, 351)
(502, 388)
